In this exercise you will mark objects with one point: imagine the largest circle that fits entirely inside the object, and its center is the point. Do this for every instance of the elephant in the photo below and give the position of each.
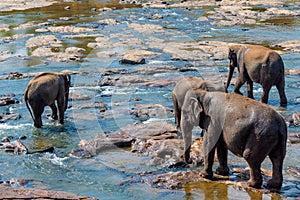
(257, 64)
(248, 128)
(43, 90)
(180, 90)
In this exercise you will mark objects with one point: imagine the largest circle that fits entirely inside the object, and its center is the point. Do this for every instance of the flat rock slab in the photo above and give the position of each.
(177, 180)
(23, 193)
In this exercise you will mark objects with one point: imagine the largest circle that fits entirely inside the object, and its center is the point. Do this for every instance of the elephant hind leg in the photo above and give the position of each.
(254, 154)
(265, 94)
(37, 113)
(276, 156)
(54, 111)
(280, 88)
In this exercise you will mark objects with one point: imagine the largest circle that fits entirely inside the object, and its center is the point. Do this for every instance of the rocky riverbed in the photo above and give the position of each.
(125, 57)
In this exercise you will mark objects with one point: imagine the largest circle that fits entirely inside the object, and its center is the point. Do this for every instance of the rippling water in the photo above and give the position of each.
(102, 175)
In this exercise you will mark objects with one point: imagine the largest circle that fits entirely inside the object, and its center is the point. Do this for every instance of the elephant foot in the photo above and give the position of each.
(205, 174)
(223, 171)
(255, 184)
(274, 185)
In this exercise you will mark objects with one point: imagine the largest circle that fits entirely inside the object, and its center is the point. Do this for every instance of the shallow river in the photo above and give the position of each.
(102, 176)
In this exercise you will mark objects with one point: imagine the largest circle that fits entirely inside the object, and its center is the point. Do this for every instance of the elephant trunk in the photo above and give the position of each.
(231, 69)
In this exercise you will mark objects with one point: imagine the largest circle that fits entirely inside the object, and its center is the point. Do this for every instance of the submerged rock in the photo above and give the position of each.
(15, 147)
(8, 116)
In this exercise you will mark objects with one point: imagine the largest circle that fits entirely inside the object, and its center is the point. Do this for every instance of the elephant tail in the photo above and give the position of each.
(26, 102)
(283, 137)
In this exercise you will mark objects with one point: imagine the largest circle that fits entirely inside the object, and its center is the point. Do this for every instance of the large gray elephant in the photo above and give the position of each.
(43, 90)
(246, 127)
(180, 90)
(260, 65)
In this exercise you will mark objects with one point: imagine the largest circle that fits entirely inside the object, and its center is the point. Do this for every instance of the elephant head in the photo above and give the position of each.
(233, 61)
(190, 113)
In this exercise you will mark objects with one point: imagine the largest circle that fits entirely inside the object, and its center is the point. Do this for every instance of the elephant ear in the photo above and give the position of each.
(196, 109)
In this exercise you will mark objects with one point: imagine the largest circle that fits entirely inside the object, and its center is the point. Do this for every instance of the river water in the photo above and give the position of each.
(102, 176)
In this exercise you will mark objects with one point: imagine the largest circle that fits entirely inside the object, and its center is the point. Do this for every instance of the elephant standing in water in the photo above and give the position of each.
(180, 90)
(260, 65)
(246, 127)
(43, 90)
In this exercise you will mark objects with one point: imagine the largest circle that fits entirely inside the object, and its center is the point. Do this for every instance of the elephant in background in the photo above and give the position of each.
(248, 128)
(43, 90)
(260, 65)
(180, 90)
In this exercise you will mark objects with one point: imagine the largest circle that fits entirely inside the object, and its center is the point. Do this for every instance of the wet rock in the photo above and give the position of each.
(292, 72)
(146, 28)
(8, 116)
(150, 70)
(293, 170)
(177, 180)
(132, 59)
(102, 107)
(294, 138)
(291, 45)
(70, 29)
(108, 72)
(292, 119)
(7, 100)
(4, 27)
(15, 147)
(16, 37)
(75, 50)
(125, 136)
(43, 40)
(146, 111)
(24, 193)
(23, 5)
(78, 96)
(111, 22)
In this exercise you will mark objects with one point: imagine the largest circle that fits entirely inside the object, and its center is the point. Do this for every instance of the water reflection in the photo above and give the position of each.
(221, 191)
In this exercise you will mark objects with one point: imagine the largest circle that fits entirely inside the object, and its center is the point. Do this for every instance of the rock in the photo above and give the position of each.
(294, 138)
(151, 70)
(7, 100)
(292, 72)
(293, 170)
(70, 29)
(15, 147)
(4, 27)
(291, 45)
(177, 180)
(8, 116)
(132, 59)
(75, 96)
(43, 40)
(24, 193)
(75, 50)
(144, 112)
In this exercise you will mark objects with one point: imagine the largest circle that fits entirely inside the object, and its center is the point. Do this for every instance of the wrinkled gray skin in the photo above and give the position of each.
(180, 90)
(246, 127)
(43, 90)
(260, 65)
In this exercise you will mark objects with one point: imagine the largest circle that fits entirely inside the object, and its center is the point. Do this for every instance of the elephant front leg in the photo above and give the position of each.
(222, 154)
(250, 89)
(207, 172)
